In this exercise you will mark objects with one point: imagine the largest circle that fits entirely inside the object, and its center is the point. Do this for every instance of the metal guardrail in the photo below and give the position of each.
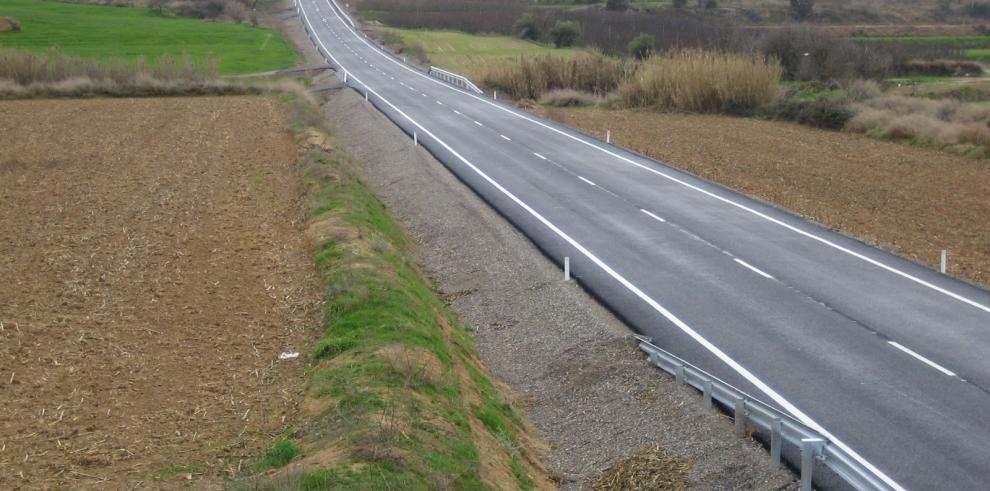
(455, 79)
(782, 427)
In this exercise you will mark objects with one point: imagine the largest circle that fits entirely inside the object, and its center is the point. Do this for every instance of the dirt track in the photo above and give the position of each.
(153, 273)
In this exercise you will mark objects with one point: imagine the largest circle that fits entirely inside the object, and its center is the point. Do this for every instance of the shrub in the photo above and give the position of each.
(569, 98)
(827, 112)
(707, 4)
(8, 24)
(565, 33)
(703, 81)
(861, 90)
(616, 4)
(957, 127)
(802, 9)
(679, 4)
(526, 27)
(641, 47)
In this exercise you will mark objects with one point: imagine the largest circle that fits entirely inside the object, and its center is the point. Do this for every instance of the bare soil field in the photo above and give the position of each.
(153, 271)
(907, 199)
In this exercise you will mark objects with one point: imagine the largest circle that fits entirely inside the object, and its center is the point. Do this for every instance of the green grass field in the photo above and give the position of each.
(129, 33)
(467, 53)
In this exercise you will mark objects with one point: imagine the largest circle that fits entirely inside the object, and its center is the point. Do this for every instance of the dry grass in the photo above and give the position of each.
(944, 124)
(652, 468)
(530, 77)
(703, 81)
(570, 98)
(27, 75)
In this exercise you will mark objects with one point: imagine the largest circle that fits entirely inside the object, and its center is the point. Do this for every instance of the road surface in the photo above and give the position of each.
(889, 359)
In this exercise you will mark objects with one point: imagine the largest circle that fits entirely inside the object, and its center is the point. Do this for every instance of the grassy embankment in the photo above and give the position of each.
(132, 33)
(397, 397)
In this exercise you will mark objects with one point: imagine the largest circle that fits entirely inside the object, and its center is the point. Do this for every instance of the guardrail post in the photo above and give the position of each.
(567, 268)
(679, 374)
(739, 413)
(655, 359)
(810, 447)
(775, 440)
(707, 393)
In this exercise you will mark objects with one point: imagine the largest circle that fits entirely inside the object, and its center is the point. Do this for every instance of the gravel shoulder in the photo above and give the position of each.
(574, 366)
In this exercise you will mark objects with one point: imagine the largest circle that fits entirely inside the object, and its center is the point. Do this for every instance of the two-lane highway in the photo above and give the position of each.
(887, 358)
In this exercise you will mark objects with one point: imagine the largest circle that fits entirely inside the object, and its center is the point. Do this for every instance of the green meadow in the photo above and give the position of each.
(130, 33)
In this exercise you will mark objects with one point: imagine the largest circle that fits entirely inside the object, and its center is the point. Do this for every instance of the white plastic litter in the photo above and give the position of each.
(288, 355)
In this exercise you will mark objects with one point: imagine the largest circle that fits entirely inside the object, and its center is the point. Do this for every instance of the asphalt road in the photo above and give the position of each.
(886, 357)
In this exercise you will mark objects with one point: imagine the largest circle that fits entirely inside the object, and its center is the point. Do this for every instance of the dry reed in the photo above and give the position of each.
(703, 81)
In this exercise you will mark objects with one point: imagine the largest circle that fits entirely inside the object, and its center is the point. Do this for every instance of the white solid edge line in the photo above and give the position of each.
(586, 180)
(505, 138)
(477, 123)
(715, 350)
(653, 216)
(690, 186)
(753, 268)
(928, 362)
(539, 156)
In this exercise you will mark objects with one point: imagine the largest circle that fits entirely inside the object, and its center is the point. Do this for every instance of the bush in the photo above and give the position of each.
(707, 4)
(616, 4)
(944, 124)
(827, 112)
(802, 9)
(8, 24)
(641, 47)
(679, 4)
(569, 98)
(703, 81)
(526, 27)
(861, 90)
(565, 33)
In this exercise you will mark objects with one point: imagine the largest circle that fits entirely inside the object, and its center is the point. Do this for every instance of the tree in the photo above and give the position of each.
(679, 4)
(616, 4)
(526, 27)
(641, 47)
(802, 9)
(565, 33)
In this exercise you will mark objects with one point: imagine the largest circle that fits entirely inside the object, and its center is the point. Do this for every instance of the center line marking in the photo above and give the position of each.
(587, 181)
(477, 123)
(505, 138)
(539, 156)
(753, 268)
(923, 359)
(653, 216)
(457, 112)
(440, 103)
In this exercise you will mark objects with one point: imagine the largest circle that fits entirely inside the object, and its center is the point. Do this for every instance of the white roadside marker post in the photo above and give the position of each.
(608, 136)
(944, 261)
(567, 268)
(415, 139)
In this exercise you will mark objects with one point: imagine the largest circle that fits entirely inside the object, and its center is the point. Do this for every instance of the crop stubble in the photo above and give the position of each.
(153, 272)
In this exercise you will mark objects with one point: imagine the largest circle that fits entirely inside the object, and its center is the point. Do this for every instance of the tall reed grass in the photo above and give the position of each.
(703, 81)
(530, 77)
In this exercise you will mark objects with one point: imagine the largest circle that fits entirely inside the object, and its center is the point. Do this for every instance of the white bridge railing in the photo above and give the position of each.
(455, 79)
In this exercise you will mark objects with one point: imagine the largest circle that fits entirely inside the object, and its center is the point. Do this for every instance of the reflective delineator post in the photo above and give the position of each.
(608, 136)
(944, 261)
(567, 268)
(415, 139)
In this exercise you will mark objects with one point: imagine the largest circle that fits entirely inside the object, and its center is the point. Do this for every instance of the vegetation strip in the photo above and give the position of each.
(397, 395)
